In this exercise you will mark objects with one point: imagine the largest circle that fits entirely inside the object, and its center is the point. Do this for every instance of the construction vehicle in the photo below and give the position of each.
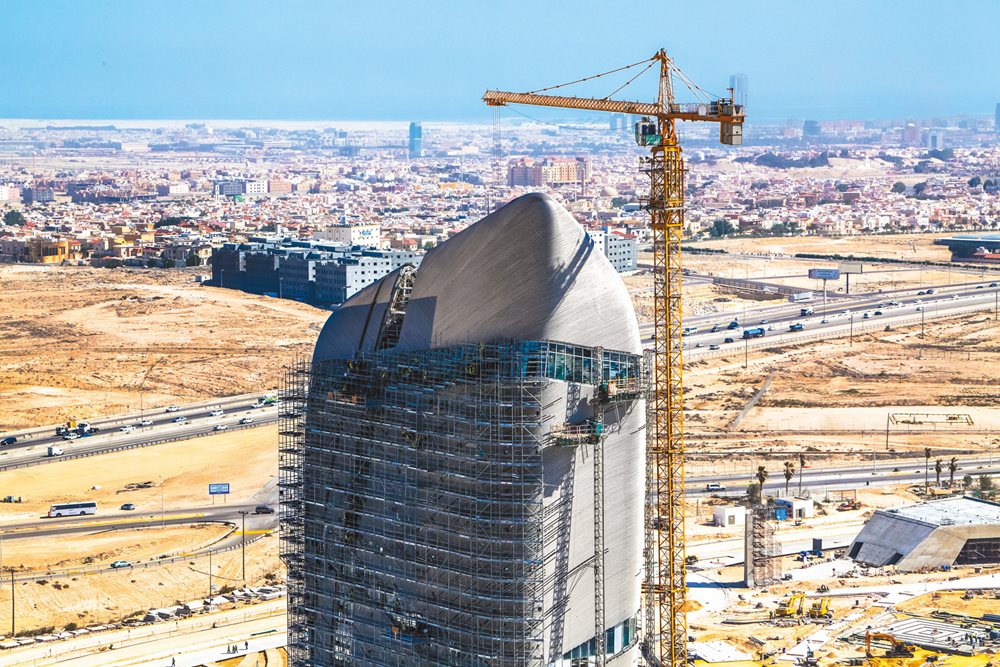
(897, 649)
(791, 607)
(664, 627)
(849, 505)
(821, 608)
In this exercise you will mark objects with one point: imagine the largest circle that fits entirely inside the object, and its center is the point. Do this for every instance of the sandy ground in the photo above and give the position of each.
(104, 546)
(180, 473)
(79, 340)
(952, 601)
(831, 399)
(903, 246)
(112, 596)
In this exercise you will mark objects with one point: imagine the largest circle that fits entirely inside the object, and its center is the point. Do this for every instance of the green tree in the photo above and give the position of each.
(14, 218)
(927, 467)
(753, 493)
(722, 227)
(938, 469)
(919, 188)
(762, 475)
(985, 483)
(169, 263)
(975, 182)
(952, 469)
(967, 481)
(899, 187)
(789, 474)
(193, 260)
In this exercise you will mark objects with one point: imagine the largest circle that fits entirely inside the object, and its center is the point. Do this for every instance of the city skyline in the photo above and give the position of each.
(352, 62)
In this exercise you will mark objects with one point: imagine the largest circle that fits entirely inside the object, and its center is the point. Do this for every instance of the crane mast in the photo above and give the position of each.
(665, 585)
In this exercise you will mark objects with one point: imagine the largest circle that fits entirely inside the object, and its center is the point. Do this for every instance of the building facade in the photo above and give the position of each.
(463, 450)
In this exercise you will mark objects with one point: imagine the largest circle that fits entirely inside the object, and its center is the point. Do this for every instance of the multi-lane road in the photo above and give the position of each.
(839, 317)
(151, 426)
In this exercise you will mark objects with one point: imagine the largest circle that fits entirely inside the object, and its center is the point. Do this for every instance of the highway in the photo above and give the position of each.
(896, 308)
(883, 473)
(163, 426)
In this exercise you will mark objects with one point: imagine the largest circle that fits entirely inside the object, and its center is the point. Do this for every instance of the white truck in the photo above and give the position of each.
(55, 451)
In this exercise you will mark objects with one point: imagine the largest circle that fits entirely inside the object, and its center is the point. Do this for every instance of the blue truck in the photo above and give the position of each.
(796, 327)
(757, 332)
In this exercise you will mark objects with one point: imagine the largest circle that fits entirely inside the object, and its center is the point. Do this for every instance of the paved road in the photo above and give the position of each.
(199, 422)
(847, 317)
(189, 642)
(910, 471)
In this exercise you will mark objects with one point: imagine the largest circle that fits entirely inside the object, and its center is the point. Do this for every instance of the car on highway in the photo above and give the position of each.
(715, 486)
(127, 507)
(180, 420)
(729, 340)
(173, 408)
(993, 284)
(263, 509)
(216, 413)
(118, 564)
(894, 303)
(219, 427)
(920, 309)
(824, 321)
(128, 428)
(146, 422)
(246, 420)
(715, 329)
(980, 286)
(921, 293)
(70, 436)
(699, 344)
(845, 312)
(930, 291)
(713, 347)
(877, 312)
(763, 321)
(865, 315)
(9, 440)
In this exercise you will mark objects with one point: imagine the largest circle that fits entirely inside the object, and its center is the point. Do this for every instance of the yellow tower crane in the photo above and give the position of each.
(664, 589)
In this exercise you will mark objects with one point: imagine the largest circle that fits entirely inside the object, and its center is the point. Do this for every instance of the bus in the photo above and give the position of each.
(72, 509)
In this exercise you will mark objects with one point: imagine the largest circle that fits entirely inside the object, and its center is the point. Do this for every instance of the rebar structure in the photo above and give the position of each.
(762, 546)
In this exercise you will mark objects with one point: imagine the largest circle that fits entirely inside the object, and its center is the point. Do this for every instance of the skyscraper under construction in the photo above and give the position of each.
(462, 461)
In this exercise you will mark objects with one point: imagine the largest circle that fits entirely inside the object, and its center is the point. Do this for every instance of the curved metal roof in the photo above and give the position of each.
(527, 271)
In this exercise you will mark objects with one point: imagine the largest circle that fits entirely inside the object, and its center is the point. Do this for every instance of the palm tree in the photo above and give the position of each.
(952, 468)
(789, 473)
(938, 467)
(761, 477)
(927, 467)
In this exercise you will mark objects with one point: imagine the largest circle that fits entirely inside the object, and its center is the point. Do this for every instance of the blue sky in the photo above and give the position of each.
(432, 59)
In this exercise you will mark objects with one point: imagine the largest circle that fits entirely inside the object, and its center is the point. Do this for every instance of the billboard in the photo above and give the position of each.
(220, 489)
(852, 267)
(825, 274)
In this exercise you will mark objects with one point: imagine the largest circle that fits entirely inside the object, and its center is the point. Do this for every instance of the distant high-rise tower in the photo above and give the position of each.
(416, 140)
(996, 120)
(738, 82)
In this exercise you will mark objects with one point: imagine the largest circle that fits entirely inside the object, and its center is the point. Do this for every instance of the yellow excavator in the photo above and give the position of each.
(821, 608)
(897, 648)
(790, 607)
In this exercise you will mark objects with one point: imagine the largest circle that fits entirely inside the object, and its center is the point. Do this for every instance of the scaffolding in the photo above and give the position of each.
(412, 502)
(763, 565)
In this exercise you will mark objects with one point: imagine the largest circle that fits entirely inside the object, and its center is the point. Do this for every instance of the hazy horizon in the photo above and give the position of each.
(306, 60)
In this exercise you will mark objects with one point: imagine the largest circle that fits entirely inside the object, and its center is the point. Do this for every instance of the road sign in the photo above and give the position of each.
(218, 489)
(825, 274)
(852, 267)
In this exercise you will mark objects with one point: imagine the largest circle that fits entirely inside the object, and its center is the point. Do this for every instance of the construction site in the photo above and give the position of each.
(501, 481)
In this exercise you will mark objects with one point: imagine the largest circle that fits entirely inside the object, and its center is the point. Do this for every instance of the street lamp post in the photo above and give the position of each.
(851, 344)
(243, 544)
